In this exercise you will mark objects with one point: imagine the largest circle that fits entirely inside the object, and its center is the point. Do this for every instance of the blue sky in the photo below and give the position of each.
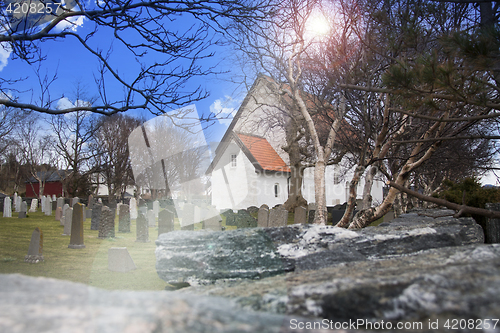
(75, 66)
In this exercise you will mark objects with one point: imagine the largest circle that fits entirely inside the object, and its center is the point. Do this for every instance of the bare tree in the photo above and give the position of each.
(36, 150)
(168, 56)
(111, 153)
(284, 49)
(72, 134)
(435, 91)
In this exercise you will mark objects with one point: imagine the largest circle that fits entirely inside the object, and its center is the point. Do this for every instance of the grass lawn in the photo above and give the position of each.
(88, 265)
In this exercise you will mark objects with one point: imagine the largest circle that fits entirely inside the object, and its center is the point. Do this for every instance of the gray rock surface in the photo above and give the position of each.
(204, 256)
(438, 284)
(29, 304)
(315, 247)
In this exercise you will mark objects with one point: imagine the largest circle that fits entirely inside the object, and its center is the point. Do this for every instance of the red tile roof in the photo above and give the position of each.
(263, 152)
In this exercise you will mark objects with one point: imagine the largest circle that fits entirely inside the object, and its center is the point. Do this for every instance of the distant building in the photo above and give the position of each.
(53, 181)
(250, 168)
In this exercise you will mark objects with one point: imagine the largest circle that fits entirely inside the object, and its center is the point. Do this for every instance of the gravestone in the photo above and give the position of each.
(23, 210)
(151, 219)
(53, 197)
(133, 208)
(35, 250)
(68, 221)
(119, 260)
(107, 223)
(156, 208)
(60, 202)
(253, 209)
(263, 216)
(7, 207)
(17, 207)
(90, 203)
(143, 210)
(212, 223)
(76, 240)
(34, 205)
(142, 229)
(48, 206)
(59, 214)
(96, 216)
(278, 217)
(43, 204)
(64, 209)
(53, 204)
(84, 214)
(310, 218)
(124, 218)
(491, 227)
(187, 222)
(165, 221)
(300, 216)
(243, 220)
(74, 201)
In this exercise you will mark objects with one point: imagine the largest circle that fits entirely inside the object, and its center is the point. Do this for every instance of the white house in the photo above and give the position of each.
(250, 168)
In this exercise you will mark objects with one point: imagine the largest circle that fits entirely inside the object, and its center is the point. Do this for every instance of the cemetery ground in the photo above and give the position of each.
(88, 265)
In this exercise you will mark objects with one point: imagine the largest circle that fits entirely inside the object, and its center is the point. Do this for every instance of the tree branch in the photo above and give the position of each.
(462, 209)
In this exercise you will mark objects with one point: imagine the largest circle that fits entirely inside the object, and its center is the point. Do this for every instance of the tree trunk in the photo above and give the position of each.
(351, 202)
(320, 215)
(295, 197)
(367, 216)
(367, 190)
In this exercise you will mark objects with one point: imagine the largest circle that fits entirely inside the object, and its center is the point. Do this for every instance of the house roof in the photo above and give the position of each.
(50, 176)
(262, 152)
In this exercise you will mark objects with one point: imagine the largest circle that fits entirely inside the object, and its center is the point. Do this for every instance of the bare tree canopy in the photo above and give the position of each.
(165, 43)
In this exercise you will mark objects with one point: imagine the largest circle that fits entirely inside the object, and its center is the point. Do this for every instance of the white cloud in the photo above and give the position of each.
(5, 51)
(65, 103)
(71, 23)
(224, 109)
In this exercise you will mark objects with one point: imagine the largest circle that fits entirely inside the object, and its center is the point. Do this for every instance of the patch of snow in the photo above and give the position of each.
(422, 231)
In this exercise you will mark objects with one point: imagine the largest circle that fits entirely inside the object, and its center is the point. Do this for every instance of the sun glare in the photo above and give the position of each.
(317, 24)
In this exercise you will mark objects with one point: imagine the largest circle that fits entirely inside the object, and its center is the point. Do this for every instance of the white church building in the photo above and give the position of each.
(250, 168)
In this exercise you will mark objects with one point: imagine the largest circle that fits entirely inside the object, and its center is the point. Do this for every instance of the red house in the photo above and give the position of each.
(53, 183)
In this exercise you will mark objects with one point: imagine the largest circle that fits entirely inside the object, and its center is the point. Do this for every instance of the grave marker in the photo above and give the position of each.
(300, 216)
(23, 210)
(35, 249)
(107, 223)
(156, 208)
(34, 205)
(68, 221)
(90, 202)
(96, 216)
(263, 216)
(133, 208)
(76, 241)
(151, 219)
(59, 214)
(119, 260)
(278, 217)
(166, 220)
(142, 229)
(7, 207)
(60, 202)
(124, 219)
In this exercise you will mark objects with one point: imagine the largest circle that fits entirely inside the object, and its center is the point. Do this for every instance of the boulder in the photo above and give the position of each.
(205, 256)
(314, 246)
(30, 304)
